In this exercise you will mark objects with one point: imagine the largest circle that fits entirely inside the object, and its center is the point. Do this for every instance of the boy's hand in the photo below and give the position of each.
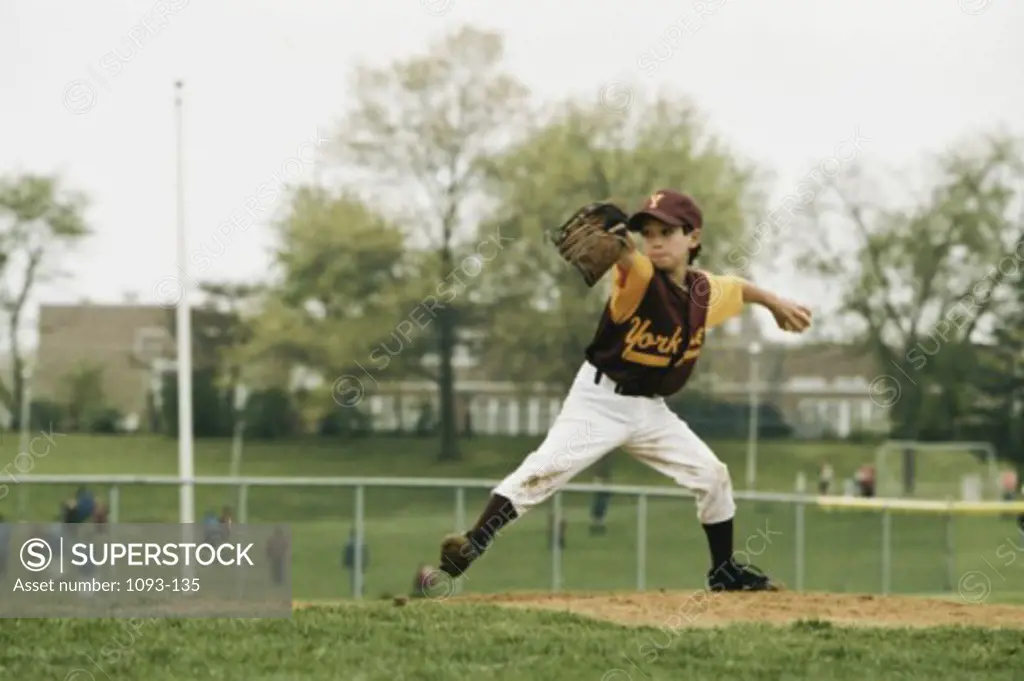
(788, 315)
(791, 316)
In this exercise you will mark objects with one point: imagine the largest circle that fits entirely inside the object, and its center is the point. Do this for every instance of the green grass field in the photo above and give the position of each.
(428, 642)
(448, 639)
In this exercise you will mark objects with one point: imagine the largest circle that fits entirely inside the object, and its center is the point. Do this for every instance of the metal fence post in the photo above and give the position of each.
(114, 510)
(641, 542)
(243, 503)
(22, 502)
(886, 551)
(950, 549)
(357, 572)
(556, 541)
(801, 506)
(460, 509)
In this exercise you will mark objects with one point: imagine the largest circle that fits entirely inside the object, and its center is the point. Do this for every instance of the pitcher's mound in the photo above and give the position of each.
(699, 608)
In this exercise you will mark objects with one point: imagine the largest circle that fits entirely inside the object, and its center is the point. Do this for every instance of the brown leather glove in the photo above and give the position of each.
(593, 239)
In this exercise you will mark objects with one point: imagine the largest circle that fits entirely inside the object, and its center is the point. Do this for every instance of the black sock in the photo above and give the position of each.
(498, 513)
(719, 542)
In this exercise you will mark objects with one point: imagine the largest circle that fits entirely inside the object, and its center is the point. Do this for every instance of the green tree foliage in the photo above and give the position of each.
(221, 328)
(422, 131)
(996, 402)
(41, 221)
(211, 405)
(343, 288)
(540, 313)
(272, 414)
(85, 398)
(221, 325)
(921, 282)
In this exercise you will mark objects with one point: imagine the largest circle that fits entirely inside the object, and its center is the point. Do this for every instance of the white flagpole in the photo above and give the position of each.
(184, 342)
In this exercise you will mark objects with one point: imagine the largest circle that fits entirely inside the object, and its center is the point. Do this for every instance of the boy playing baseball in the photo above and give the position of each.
(645, 348)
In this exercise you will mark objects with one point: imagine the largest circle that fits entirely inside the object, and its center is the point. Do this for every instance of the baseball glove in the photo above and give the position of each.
(593, 239)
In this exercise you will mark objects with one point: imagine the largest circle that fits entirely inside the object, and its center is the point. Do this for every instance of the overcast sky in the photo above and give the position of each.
(784, 82)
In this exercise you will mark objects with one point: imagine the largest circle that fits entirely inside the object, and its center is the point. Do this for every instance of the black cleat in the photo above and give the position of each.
(457, 553)
(733, 576)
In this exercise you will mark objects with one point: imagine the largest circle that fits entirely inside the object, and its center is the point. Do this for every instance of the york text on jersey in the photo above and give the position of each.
(647, 348)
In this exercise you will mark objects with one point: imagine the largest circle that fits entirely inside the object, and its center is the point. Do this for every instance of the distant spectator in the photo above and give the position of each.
(85, 504)
(101, 516)
(825, 477)
(866, 480)
(425, 420)
(1008, 484)
(599, 506)
(227, 520)
(78, 509)
(211, 528)
(278, 549)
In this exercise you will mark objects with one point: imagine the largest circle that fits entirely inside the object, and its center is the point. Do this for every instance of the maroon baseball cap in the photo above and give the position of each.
(670, 207)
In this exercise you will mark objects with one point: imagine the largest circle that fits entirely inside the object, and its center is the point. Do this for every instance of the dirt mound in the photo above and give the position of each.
(699, 608)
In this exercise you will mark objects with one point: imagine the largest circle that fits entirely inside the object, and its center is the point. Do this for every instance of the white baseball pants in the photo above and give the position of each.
(596, 420)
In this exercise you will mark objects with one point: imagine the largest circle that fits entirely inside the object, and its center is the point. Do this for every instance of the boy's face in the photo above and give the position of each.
(668, 247)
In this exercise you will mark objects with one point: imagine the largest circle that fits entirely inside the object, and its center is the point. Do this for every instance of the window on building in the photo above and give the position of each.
(533, 426)
(512, 416)
(554, 406)
(806, 383)
(492, 416)
(867, 414)
(388, 416)
(478, 414)
(843, 418)
(376, 409)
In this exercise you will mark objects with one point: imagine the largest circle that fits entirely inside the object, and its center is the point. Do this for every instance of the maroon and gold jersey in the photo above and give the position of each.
(652, 330)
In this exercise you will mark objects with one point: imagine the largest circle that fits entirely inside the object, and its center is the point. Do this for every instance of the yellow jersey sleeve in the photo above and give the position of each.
(629, 287)
(725, 300)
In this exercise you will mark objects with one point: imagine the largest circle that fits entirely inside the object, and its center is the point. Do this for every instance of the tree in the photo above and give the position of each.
(221, 325)
(86, 397)
(996, 413)
(921, 281)
(423, 128)
(343, 287)
(40, 221)
(539, 307)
